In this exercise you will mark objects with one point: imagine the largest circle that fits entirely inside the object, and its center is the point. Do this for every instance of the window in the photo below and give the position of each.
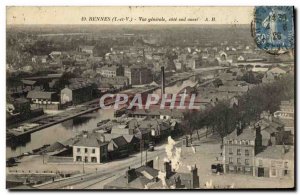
(273, 172)
(272, 164)
(93, 151)
(78, 158)
(230, 151)
(260, 163)
(247, 142)
(94, 159)
(86, 159)
(238, 161)
(285, 164)
(246, 161)
(246, 152)
(238, 152)
(85, 150)
(230, 160)
(78, 149)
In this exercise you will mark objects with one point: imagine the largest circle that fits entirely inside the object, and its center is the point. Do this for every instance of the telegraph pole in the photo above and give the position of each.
(146, 157)
(83, 171)
(141, 149)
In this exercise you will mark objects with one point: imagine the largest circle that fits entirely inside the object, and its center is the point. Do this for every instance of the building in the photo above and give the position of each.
(118, 147)
(87, 49)
(132, 127)
(238, 90)
(90, 149)
(286, 115)
(44, 99)
(19, 106)
(240, 148)
(273, 131)
(147, 177)
(175, 180)
(134, 178)
(138, 75)
(158, 128)
(276, 71)
(268, 78)
(275, 161)
(111, 71)
(117, 82)
(157, 113)
(77, 92)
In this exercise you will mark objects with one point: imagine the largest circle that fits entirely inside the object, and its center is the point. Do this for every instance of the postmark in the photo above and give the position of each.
(273, 28)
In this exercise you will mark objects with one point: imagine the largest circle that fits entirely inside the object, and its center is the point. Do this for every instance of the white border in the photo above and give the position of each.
(5, 3)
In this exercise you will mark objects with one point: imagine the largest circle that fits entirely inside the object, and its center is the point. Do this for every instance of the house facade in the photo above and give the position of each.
(239, 150)
(90, 149)
(275, 162)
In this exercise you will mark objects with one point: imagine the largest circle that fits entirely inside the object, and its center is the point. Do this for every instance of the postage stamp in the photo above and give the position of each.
(273, 28)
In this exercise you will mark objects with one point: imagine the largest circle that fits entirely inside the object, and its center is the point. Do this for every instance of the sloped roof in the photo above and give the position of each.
(90, 141)
(120, 141)
(21, 100)
(54, 147)
(247, 134)
(40, 94)
(277, 70)
(28, 82)
(129, 138)
(143, 176)
(233, 88)
(277, 152)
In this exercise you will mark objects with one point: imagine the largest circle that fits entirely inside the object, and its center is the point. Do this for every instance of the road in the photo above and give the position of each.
(109, 170)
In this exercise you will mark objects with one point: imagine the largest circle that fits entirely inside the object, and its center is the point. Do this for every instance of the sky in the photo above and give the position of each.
(74, 15)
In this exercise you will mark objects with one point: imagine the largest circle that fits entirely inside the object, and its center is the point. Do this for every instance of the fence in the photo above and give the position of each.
(59, 159)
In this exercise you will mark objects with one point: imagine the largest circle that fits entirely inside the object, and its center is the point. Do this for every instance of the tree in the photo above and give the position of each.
(222, 118)
(64, 80)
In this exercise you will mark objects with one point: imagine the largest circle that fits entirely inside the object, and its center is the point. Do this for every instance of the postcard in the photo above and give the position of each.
(150, 98)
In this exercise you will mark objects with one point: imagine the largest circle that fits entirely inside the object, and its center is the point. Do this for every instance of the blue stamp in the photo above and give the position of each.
(273, 28)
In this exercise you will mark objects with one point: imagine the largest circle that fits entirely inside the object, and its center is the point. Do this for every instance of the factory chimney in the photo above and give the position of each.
(162, 81)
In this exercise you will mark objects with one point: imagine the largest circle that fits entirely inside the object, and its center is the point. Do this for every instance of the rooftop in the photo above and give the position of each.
(247, 134)
(40, 94)
(277, 152)
(90, 141)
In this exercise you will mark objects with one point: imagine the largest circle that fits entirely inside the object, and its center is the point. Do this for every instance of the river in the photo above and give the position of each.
(65, 130)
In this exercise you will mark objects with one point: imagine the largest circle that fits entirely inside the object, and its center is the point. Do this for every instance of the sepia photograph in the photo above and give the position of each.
(127, 98)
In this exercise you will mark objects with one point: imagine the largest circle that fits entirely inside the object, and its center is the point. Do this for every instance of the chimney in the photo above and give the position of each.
(177, 182)
(194, 178)
(162, 81)
(258, 138)
(102, 138)
(239, 128)
(85, 134)
(130, 175)
(168, 169)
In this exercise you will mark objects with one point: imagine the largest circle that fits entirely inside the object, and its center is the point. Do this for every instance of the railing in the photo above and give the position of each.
(59, 159)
